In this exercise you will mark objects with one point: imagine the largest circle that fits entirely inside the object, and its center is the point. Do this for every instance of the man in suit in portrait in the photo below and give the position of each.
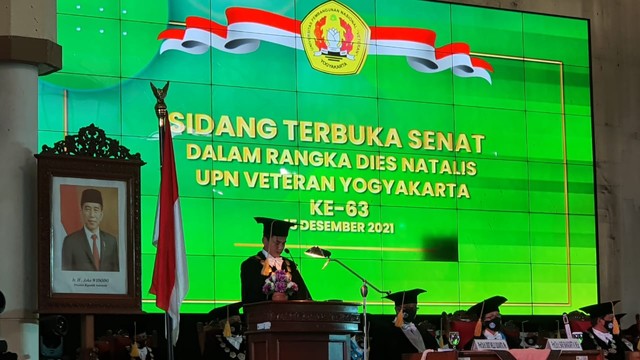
(255, 270)
(90, 249)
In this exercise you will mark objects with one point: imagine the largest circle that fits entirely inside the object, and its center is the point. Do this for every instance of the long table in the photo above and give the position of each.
(507, 355)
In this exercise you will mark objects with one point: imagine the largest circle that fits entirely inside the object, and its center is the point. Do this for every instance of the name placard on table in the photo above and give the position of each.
(564, 344)
(484, 344)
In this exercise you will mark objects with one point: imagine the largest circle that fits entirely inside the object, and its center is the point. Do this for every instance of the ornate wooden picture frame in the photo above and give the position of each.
(88, 226)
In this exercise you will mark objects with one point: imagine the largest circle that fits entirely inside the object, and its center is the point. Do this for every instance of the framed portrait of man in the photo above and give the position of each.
(88, 228)
(89, 231)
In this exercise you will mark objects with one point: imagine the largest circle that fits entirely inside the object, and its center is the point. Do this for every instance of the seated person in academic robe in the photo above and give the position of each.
(488, 314)
(627, 335)
(632, 334)
(224, 337)
(633, 331)
(255, 270)
(627, 338)
(404, 336)
(604, 333)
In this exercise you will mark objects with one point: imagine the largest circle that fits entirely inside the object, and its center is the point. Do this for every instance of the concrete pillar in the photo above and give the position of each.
(27, 49)
(18, 258)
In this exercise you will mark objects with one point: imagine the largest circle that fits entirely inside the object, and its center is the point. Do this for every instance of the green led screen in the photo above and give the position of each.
(424, 144)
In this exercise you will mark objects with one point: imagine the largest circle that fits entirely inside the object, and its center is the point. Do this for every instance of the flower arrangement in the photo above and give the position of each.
(279, 282)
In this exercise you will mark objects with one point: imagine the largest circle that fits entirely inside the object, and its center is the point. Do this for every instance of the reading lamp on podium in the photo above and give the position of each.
(317, 252)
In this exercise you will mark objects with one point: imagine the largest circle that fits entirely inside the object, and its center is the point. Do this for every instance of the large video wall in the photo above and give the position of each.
(424, 144)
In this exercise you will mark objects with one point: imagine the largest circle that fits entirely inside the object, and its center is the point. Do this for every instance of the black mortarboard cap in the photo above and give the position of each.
(220, 313)
(490, 305)
(91, 195)
(620, 316)
(274, 227)
(600, 310)
(410, 296)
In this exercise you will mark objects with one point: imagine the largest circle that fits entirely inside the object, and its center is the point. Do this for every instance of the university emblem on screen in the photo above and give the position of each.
(335, 39)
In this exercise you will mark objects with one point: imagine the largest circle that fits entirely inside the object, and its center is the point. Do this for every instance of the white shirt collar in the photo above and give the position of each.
(89, 232)
(235, 340)
(497, 336)
(405, 325)
(604, 336)
(273, 261)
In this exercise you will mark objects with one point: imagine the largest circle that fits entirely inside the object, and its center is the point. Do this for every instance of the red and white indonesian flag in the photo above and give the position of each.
(248, 27)
(170, 277)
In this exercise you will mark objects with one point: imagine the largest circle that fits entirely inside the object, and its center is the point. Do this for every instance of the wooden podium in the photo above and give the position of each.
(300, 329)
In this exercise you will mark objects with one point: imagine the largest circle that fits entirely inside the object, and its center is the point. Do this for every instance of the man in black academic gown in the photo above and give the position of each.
(604, 333)
(627, 339)
(255, 270)
(226, 339)
(488, 311)
(404, 337)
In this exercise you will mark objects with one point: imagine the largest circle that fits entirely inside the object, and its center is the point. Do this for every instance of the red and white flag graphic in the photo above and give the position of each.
(170, 276)
(248, 27)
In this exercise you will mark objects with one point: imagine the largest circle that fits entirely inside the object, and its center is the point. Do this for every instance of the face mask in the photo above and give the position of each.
(494, 324)
(608, 325)
(409, 315)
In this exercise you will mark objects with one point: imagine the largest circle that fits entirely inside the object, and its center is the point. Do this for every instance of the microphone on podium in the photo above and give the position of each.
(567, 327)
(289, 253)
(286, 250)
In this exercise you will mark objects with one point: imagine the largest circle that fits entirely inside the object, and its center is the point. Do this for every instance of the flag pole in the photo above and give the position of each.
(161, 114)
(169, 326)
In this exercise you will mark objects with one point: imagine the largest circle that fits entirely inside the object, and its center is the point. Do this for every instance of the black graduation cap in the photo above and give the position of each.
(486, 306)
(620, 316)
(274, 227)
(600, 310)
(92, 196)
(410, 296)
(220, 313)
